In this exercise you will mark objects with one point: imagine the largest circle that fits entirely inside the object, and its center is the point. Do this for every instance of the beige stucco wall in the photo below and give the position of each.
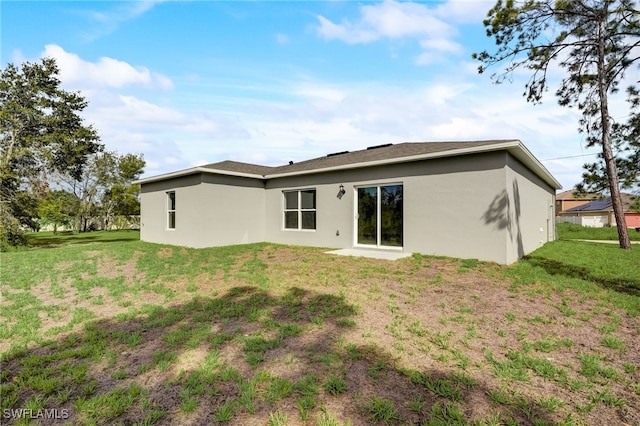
(452, 207)
(485, 206)
(210, 211)
(531, 211)
(448, 206)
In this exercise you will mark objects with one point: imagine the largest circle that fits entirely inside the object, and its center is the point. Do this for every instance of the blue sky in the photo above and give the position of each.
(193, 82)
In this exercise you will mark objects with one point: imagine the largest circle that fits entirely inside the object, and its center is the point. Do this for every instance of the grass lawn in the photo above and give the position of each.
(113, 330)
(48, 239)
(569, 231)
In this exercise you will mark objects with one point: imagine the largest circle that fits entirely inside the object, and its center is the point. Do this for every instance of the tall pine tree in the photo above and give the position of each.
(593, 41)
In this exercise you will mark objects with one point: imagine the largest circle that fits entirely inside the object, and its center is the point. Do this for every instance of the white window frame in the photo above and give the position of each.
(171, 210)
(378, 244)
(299, 209)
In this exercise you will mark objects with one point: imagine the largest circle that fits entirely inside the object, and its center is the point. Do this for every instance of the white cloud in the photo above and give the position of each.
(328, 117)
(369, 114)
(394, 19)
(441, 93)
(320, 92)
(313, 118)
(346, 32)
(125, 108)
(107, 72)
(434, 48)
(441, 44)
(169, 136)
(398, 20)
(469, 11)
(125, 12)
(106, 22)
(389, 19)
(282, 39)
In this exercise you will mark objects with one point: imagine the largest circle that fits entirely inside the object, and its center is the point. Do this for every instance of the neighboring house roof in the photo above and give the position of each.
(574, 195)
(604, 205)
(372, 156)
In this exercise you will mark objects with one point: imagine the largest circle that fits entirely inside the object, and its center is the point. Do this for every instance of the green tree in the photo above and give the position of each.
(120, 196)
(24, 207)
(626, 147)
(592, 41)
(104, 188)
(58, 209)
(41, 132)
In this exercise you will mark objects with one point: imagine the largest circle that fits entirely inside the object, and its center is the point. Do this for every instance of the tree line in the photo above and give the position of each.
(53, 168)
(104, 191)
(50, 160)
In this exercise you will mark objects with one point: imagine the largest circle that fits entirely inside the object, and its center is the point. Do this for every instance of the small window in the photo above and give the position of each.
(300, 209)
(171, 210)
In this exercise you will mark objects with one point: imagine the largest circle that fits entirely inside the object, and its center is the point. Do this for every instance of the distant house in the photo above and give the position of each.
(599, 213)
(490, 200)
(569, 199)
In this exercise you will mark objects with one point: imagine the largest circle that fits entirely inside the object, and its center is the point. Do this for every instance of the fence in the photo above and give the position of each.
(590, 221)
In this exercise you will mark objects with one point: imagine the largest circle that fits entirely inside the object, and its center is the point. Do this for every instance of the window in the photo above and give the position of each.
(171, 210)
(300, 209)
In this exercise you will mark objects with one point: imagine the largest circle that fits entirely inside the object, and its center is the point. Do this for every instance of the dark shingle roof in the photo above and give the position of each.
(603, 205)
(373, 154)
(597, 205)
(573, 195)
(236, 166)
(376, 155)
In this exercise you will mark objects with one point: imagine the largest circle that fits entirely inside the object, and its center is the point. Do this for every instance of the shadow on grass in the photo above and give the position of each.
(69, 238)
(627, 285)
(237, 358)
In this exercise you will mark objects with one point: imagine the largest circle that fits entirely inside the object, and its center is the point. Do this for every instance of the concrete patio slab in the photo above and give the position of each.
(373, 254)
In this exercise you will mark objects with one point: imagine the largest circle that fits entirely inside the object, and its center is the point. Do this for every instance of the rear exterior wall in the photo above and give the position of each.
(530, 211)
(484, 206)
(211, 210)
(460, 207)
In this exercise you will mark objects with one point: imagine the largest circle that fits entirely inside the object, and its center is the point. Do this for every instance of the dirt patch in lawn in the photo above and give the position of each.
(399, 342)
(165, 253)
(110, 268)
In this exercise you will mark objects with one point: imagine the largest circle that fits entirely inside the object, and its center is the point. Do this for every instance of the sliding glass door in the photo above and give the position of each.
(379, 217)
(391, 215)
(368, 215)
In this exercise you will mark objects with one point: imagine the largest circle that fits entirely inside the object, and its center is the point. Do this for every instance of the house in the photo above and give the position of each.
(569, 199)
(490, 200)
(599, 213)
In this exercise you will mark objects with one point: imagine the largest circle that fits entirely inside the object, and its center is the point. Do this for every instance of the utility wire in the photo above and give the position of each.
(571, 156)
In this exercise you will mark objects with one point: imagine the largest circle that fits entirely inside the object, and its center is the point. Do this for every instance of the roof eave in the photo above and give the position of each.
(405, 159)
(586, 211)
(193, 171)
(526, 157)
(515, 147)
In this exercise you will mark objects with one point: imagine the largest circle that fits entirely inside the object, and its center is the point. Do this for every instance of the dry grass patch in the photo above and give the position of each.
(246, 334)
